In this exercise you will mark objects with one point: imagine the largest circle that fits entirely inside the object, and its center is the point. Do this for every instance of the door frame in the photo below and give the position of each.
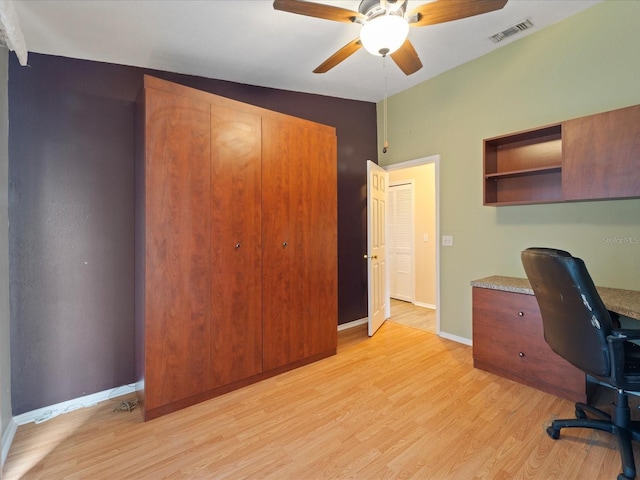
(435, 159)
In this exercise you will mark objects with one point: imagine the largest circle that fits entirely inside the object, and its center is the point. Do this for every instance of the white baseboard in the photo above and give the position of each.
(425, 305)
(47, 413)
(456, 338)
(7, 440)
(448, 336)
(352, 324)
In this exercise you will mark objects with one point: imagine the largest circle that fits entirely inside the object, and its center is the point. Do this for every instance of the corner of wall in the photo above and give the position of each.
(7, 440)
(7, 429)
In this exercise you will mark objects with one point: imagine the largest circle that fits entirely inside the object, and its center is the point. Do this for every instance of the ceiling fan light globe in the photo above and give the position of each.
(384, 35)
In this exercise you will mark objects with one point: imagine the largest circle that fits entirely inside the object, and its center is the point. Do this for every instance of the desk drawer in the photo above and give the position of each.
(508, 340)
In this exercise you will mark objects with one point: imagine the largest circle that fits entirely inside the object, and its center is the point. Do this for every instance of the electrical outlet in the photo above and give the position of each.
(447, 240)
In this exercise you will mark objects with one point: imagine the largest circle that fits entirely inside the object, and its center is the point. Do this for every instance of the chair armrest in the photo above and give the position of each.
(615, 319)
(624, 334)
(617, 353)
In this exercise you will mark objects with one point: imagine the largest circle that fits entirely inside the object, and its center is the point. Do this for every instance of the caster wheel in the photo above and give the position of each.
(580, 414)
(555, 434)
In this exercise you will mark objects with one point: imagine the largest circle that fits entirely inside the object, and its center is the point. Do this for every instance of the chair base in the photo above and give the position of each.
(618, 424)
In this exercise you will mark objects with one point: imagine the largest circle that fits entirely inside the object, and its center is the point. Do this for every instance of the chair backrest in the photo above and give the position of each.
(575, 320)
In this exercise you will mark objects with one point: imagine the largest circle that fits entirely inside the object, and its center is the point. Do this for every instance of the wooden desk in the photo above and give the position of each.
(624, 302)
(508, 338)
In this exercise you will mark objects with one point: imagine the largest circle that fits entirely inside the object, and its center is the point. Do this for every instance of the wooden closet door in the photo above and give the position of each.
(319, 231)
(299, 242)
(236, 293)
(177, 248)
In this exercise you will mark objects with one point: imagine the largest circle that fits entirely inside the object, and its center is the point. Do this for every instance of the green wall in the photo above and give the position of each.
(585, 64)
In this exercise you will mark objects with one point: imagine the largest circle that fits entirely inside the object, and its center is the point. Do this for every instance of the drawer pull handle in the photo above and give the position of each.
(521, 314)
(521, 354)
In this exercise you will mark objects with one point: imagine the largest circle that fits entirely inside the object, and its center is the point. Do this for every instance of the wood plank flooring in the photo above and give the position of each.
(402, 404)
(412, 315)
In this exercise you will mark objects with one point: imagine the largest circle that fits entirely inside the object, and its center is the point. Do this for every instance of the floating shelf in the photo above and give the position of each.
(524, 167)
(524, 172)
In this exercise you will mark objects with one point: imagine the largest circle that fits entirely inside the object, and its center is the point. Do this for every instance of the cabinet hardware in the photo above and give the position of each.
(238, 245)
(521, 354)
(521, 314)
(284, 244)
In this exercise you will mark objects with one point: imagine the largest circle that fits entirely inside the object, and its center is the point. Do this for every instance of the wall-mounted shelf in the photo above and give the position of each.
(524, 167)
(589, 158)
(524, 172)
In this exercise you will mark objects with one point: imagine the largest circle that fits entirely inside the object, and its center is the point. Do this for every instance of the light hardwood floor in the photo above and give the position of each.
(412, 315)
(402, 404)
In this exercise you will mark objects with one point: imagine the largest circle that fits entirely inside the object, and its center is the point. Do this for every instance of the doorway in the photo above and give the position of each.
(417, 260)
(401, 239)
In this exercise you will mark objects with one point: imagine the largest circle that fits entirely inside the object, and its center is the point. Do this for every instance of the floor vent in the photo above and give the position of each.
(520, 27)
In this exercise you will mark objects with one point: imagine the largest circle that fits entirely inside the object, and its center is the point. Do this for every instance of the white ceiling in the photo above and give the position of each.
(249, 42)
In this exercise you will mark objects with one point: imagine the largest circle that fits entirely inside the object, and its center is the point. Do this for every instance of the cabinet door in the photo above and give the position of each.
(319, 238)
(602, 155)
(508, 340)
(177, 248)
(299, 241)
(236, 336)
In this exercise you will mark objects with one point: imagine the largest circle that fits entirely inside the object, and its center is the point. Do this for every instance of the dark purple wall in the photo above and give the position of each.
(71, 216)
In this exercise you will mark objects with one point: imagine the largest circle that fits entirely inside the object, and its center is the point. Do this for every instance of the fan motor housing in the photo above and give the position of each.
(373, 8)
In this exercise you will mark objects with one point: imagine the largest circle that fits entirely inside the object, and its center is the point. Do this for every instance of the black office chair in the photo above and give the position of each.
(579, 328)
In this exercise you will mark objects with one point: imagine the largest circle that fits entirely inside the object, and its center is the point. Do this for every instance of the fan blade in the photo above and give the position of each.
(442, 11)
(318, 10)
(406, 58)
(345, 52)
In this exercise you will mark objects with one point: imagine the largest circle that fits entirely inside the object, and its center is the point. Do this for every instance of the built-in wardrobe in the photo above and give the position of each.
(236, 245)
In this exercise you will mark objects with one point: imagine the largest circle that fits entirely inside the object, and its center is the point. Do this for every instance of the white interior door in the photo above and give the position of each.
(377, 191)
(400, 244)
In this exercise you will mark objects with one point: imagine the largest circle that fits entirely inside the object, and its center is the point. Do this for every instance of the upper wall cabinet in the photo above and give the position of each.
(602, 155)
(589, 158)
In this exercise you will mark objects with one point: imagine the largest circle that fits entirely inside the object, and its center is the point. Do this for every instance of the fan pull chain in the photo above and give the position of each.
(384, 105)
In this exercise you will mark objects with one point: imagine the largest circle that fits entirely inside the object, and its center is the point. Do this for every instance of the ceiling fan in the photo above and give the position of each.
(385, 25)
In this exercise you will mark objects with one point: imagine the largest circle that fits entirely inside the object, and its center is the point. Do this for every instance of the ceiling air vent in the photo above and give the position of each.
(520, 27)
